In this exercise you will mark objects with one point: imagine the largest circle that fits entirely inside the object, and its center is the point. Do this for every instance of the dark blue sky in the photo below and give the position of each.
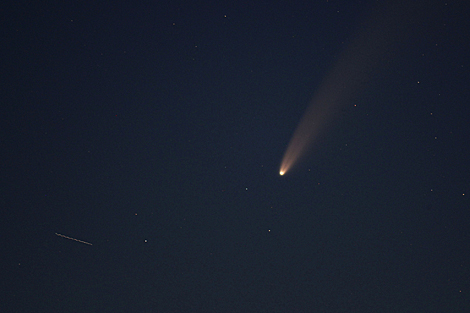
(155, 131)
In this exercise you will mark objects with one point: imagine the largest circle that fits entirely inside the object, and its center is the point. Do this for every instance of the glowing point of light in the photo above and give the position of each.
(281, 173)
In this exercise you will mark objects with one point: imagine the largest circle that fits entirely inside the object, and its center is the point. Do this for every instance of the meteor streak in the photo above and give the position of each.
(81, 241)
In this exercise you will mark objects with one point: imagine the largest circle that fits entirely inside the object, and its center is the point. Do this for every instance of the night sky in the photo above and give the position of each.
(155, 132)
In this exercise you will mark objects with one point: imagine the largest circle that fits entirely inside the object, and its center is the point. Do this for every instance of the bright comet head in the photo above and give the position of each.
(281, 173)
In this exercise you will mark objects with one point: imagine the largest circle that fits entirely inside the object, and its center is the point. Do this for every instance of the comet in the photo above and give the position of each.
(367, 50)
